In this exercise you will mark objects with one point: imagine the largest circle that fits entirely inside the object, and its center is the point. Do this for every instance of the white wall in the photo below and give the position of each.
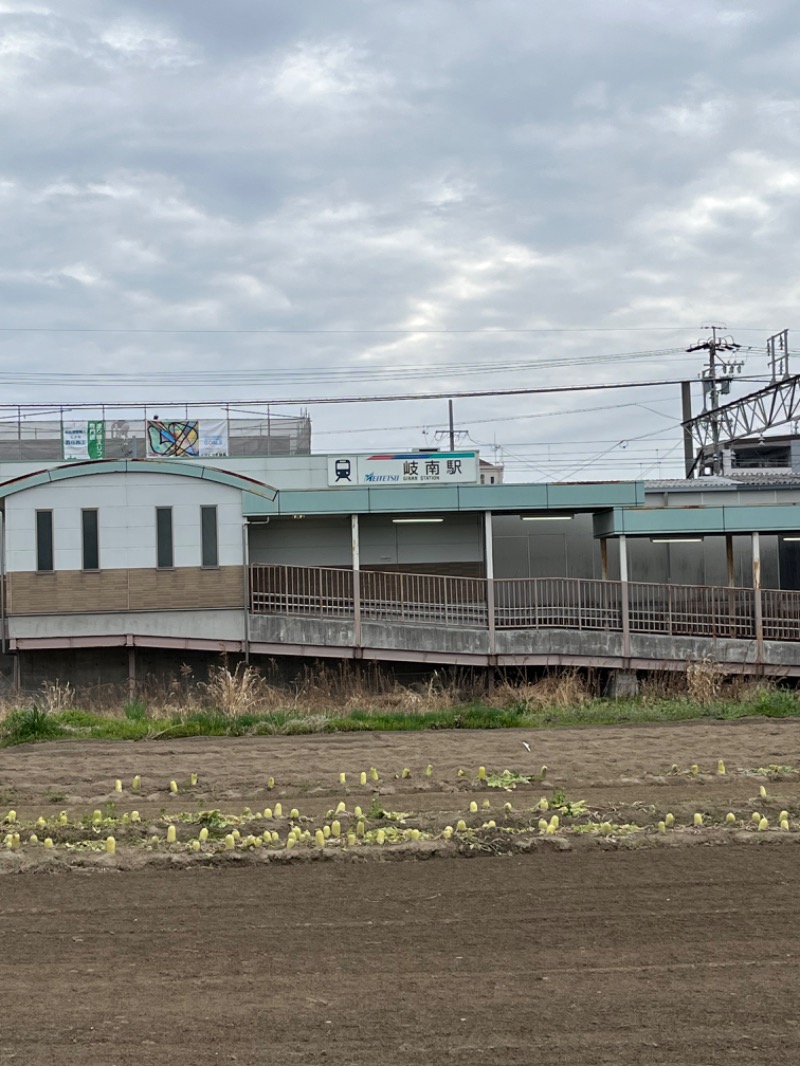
(126, 506)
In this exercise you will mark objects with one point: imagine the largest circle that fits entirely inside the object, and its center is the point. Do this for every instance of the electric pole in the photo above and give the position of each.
(715, 386)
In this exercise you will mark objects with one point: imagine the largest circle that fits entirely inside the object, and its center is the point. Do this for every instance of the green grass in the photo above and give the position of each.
(34, 724)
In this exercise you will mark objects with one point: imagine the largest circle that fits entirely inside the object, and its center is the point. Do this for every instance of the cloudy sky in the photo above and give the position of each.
(279, 201)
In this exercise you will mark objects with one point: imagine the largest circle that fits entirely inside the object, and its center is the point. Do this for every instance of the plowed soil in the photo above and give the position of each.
(583, 949)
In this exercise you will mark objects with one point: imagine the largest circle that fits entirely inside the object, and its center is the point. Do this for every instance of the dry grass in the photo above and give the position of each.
(569, 688)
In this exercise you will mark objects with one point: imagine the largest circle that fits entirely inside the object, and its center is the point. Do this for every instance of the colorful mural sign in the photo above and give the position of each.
(84, 440)
(187, 439)
(404, 468)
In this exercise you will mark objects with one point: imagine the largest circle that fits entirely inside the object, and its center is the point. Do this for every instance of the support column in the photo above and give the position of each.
(247, 589)
(758, 612)
(488, 553)
(131, 672)
(356, 550)
(624, 596)
(731, 571)
(604, 559)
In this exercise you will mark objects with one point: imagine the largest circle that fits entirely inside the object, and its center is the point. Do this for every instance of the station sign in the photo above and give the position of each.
(403, 468)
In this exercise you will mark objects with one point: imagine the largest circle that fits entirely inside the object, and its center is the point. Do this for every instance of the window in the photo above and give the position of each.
(44, 540)
(91, 542)
(164, 552)
(208, 533)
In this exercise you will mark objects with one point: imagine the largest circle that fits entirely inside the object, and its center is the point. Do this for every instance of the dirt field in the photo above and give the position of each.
(578, 947)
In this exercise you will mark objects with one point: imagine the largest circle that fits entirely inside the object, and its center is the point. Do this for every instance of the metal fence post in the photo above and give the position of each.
(624, 597)
(490, 597)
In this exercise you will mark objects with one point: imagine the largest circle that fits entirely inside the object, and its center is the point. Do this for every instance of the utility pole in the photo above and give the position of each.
(452, 427)
(715, 386)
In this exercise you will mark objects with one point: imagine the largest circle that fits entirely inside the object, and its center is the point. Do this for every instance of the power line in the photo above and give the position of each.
(410, 331)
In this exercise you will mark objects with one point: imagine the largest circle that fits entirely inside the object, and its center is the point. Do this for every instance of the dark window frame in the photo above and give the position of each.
(165, 539)
(209, 537)
(45, 543)
(90, 539)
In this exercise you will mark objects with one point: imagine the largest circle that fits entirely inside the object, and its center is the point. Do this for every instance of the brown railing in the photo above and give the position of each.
(318, 591)
(692, 610)
(525, 603)
(423, 598)
(560, 602)
(781, 608)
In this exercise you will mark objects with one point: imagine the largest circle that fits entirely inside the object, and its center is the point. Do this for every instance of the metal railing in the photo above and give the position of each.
(317, 591)
(524, 603)
(423, 598)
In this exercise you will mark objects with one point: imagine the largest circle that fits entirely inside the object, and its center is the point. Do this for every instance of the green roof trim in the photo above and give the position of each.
(365, 499)
(245, 485)
(697, 521)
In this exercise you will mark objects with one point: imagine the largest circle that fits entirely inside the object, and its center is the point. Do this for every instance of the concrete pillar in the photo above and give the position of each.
(604, 559)
(488, 551)
(757, 602)
(624, 596)
(356, 555)
(731, 570)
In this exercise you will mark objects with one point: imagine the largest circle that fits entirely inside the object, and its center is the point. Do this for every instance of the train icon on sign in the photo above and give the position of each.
(342, 469)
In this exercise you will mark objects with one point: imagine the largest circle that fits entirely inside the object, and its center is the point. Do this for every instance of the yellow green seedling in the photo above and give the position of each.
(33, 839)
(543, 773)
(111, 846)
(694, 769)
(698, 818)
(550, 831)
(326, 831)
(720, 767)
(268, 812)
(447, 832)
(428, 770)
(461, 773)
(340, 807)
(358, 812)
(351, 840)
(195, 845)
(279, 810)
(783, 816)
(361, 828)
(135, 817)
(237, 836)
(662, 827)
(755, 817)
(461, 826)
(481, 773)
(270, 783)
(15, 841)
(62, 818)
(380, 837)
(415, 834)
(193, 780)
(507, 808)
(544, 804)
(336, 829)
(554, 821)
(762, 792)
(406, 773)
(543, 824)
(118, 785)
(172, 834)
(230, 842)
(362, 779)
(784, 824)
(669, 819)
(342, 778)
(290, 842)
(125, 818)
(173, 787)
(730, 818)
(373, 773)
(762, 825)
(275, 837)
(294, 813)
(136, 782)
(48, 842)
(473, 807)
(486, 805)
(40, 822)
(97, 817)
(203, 834)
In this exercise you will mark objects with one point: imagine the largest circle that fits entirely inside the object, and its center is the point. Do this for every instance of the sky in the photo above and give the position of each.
(281, 202)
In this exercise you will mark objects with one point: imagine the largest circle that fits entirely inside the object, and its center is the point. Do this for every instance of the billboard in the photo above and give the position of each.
(83, 440)
(404, 468)
(185, 439)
